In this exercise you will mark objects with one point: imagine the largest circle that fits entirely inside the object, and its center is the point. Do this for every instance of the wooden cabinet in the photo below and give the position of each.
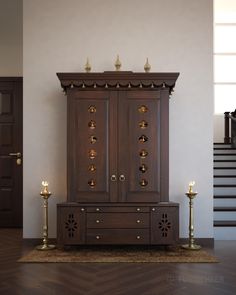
(118, 159)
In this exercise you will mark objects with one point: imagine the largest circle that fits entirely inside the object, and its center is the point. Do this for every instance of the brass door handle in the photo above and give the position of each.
(122, 177)
(113, 177)
(18, 155)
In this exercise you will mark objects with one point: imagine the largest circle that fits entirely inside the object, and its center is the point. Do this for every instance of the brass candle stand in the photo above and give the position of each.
(191, 195)
(45, 194)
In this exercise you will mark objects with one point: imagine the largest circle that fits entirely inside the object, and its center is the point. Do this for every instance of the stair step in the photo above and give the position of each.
(225, 209)
(224, 185)
(217, 143)
(225, 168)
(225, 176)
(224, 148)
(224, 160)
(224, 196)
(222, 154)
(225, 233)
(225, 223)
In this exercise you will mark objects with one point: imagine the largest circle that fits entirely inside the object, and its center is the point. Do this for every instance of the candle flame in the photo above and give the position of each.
(45, 187)
(191, 184)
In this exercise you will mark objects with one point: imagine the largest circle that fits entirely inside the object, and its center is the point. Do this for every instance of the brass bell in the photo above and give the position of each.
(92, 154)
(143, 154)
(142, 109)
(93, 139)
(143, 182)
(92, 168)
(143, 168)
(92, 183)
(143, 138)
(92, 124)
(92, 109)
(143, 124)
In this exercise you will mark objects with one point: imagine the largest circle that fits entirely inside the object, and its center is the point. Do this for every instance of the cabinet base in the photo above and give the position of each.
(117, 225)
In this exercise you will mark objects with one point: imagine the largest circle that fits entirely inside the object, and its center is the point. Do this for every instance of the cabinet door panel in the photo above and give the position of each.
(139, 146)
(91, 157)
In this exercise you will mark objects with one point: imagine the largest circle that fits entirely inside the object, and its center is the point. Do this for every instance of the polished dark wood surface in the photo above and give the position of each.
(117, 225)
(118, 153)
(11, 137)
(113, 278)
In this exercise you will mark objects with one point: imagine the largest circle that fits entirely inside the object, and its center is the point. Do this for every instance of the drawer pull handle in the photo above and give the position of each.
(82, 209)
(97, 237)
(138, 221)
(138, 209)
(153, 209)
(97, 209)
(122, 177)
(138, 237)
(113, 177)
(97, 221)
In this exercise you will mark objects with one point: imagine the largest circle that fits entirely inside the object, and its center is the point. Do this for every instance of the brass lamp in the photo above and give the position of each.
(191, 195)
(45, 194)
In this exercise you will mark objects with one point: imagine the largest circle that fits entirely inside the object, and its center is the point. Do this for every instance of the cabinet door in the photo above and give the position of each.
(164, 225)
(92, 146)
(70, 225)
(139, 146)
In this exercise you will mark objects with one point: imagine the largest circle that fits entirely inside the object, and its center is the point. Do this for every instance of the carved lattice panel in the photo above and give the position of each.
(71, 225)
(164, 225)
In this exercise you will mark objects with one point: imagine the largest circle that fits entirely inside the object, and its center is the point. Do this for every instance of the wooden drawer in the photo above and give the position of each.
(118, 209)
(118, 236)
(117, 220)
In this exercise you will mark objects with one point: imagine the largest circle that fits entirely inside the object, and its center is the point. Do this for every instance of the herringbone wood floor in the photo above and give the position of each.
(113, 279)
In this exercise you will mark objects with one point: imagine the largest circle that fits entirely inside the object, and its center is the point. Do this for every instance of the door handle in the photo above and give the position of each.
(18, 157)
(122, 177)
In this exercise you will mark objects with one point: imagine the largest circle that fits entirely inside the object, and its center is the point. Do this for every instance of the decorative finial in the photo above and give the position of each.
(118, 63)
(87, 66)
(147, 66)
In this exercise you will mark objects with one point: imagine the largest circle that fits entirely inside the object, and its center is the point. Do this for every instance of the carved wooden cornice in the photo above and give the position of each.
(119, 79)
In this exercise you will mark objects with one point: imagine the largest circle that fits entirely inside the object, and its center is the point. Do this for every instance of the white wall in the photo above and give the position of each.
(219, 128)
(11, 37)
(175, 35)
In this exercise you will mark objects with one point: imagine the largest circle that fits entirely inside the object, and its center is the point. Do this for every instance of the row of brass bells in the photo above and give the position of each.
(92, 125)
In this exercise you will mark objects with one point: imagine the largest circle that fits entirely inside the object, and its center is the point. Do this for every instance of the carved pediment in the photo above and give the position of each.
(121, 79)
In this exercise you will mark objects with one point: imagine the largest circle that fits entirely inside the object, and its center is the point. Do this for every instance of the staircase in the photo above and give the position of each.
(224, 192)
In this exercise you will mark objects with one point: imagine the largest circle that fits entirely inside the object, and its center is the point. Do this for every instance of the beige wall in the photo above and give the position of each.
(175, 35)
(11, 37)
